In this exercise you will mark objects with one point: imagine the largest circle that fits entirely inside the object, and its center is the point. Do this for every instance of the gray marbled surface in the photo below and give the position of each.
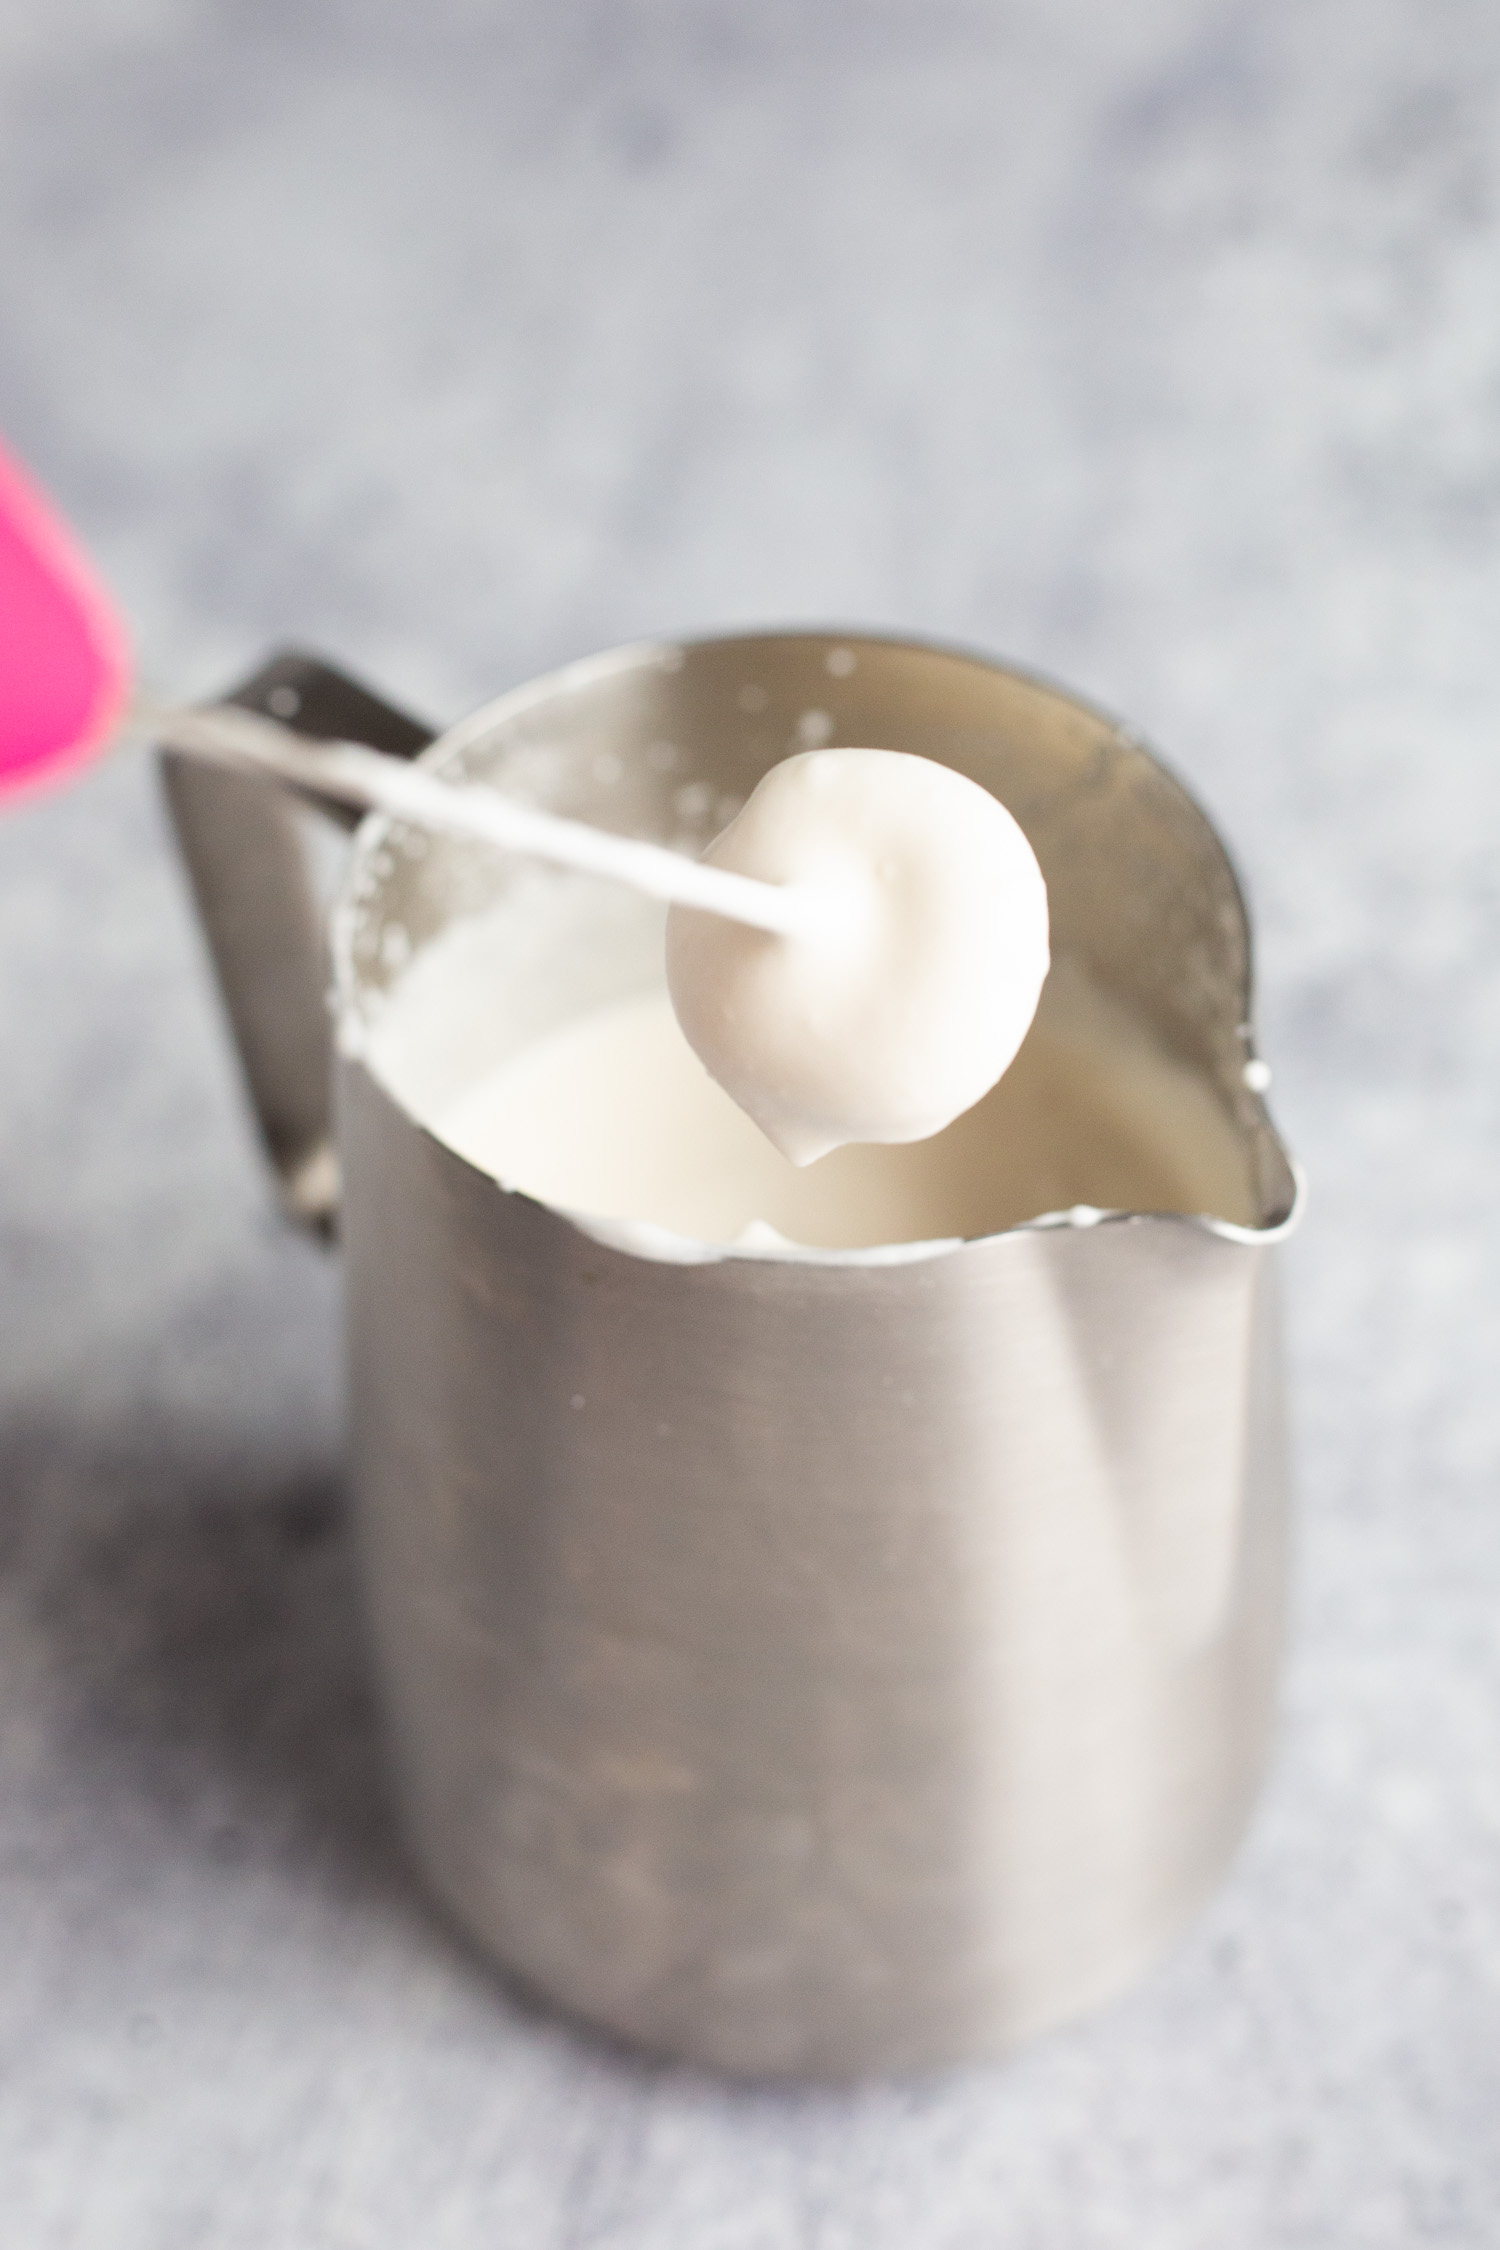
(1158, 347)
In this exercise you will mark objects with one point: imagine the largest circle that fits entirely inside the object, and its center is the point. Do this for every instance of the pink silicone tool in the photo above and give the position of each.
(65, 689)
(64, 656)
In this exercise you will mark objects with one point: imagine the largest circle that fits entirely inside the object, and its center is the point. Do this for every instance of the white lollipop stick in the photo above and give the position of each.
(350, 774)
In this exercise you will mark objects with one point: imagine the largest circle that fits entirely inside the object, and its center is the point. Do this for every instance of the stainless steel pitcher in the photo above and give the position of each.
(799, 1666)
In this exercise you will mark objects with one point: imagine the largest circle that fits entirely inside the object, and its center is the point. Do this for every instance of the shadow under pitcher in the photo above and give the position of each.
(805, 1665)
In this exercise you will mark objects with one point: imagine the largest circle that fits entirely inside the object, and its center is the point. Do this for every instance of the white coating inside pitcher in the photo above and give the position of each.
(472, 986)
(535, 1039)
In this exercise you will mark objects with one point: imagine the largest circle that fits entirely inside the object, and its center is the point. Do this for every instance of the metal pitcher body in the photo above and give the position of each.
(820, 1666)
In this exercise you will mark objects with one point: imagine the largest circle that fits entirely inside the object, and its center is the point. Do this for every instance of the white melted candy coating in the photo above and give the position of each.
(917, 976)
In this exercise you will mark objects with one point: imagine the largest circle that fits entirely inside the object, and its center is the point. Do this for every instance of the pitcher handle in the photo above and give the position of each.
(247, 861)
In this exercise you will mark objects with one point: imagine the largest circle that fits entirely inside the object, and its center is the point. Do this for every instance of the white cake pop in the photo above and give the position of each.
(918, 973)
